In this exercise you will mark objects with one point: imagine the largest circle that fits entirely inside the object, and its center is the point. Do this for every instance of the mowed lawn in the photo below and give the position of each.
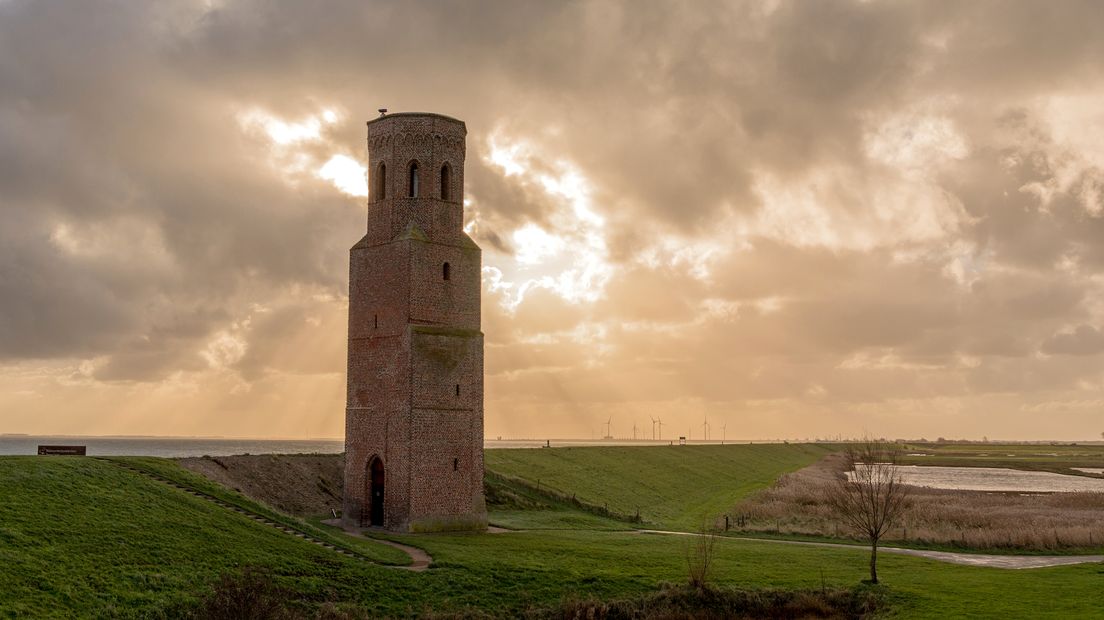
(677, 487)
(82, 537)
(612, 564)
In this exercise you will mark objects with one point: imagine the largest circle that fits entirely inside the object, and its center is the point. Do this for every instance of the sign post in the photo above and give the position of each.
(62, 450)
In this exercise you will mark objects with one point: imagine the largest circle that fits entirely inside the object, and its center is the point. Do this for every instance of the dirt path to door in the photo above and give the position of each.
(419, 559)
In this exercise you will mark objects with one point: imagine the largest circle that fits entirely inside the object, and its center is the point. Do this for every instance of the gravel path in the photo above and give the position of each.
(1014, 562)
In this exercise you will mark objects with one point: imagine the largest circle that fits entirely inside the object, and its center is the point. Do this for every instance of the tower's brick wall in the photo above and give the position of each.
(415, 383)
(442, 469)
(379, 289)
(445, 302)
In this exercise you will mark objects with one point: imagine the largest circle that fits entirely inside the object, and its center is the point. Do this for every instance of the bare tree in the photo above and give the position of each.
(871, 497)
(699, 556)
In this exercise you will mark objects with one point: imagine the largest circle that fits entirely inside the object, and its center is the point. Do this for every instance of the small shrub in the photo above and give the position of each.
(249, 595)
(699, 557)
(673, 603)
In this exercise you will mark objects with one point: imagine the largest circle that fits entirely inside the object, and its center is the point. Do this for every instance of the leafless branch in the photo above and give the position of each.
(870, 497)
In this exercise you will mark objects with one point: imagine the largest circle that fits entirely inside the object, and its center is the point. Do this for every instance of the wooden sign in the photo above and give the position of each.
(62, 450)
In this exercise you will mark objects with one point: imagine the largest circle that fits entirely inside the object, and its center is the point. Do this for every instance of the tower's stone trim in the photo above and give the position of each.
(415, 380)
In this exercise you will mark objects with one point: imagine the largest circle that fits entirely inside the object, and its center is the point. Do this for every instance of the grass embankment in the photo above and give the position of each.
(85, 537)
(519, 505)
(171, 470)
(677, 487)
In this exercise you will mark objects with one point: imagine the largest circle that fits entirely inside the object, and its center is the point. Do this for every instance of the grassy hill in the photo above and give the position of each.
(671, 486)
(79, 534)
(83, 537)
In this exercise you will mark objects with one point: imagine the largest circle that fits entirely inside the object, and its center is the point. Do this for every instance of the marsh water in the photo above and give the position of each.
(996, 479)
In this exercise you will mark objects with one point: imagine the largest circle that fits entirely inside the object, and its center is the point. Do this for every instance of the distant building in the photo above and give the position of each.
(414, 412)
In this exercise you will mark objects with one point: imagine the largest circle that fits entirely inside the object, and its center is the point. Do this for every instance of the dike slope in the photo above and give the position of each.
(298, 484)
(676, 487)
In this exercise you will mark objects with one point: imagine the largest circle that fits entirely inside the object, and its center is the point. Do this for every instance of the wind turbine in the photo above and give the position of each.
(660, 422)
(634, 430)
(654, 421)
(724, 432)
(608, 436)
(705, 427)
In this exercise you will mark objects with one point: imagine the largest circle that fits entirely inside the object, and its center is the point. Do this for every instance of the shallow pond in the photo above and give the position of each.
(996, 479)
(1090, 470)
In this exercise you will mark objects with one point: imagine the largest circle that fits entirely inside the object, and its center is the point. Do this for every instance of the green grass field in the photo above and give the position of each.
(677, 487)
(83, 537)
(1059, 458)
(614, 564)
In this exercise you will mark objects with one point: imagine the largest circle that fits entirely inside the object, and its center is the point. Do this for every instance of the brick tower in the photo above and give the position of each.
(414, 411)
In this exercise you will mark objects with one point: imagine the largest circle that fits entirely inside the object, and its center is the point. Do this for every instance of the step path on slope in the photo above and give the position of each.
(1014, 562)
(419, 559)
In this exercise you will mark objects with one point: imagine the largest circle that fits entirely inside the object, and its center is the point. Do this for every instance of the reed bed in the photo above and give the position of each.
(796, 505)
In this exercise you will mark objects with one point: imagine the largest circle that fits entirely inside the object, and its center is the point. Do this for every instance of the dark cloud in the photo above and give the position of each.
(144, 228)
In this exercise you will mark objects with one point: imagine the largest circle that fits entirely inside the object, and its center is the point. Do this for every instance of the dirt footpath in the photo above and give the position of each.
(952, 557)
(298, 484)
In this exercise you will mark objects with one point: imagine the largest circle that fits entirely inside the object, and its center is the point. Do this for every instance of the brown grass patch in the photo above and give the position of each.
(298, 484)
(688, 603)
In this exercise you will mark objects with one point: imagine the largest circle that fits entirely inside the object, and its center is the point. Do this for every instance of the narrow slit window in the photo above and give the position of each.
(455, 464)
(446, 180)
(375, 320)
(457, 389)
(414, 179)
(446, 271)
(381, 182)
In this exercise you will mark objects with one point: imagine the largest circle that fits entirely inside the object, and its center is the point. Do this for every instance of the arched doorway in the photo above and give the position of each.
(374, 492)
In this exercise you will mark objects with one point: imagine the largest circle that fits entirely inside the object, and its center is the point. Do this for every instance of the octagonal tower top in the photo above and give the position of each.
(416, 174)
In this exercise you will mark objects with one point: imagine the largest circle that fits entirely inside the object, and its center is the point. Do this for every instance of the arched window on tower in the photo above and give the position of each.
(413, 179)
(381, 181)
(446, 182)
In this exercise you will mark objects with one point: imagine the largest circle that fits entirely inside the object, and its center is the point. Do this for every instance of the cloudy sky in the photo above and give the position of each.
(793, 219)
